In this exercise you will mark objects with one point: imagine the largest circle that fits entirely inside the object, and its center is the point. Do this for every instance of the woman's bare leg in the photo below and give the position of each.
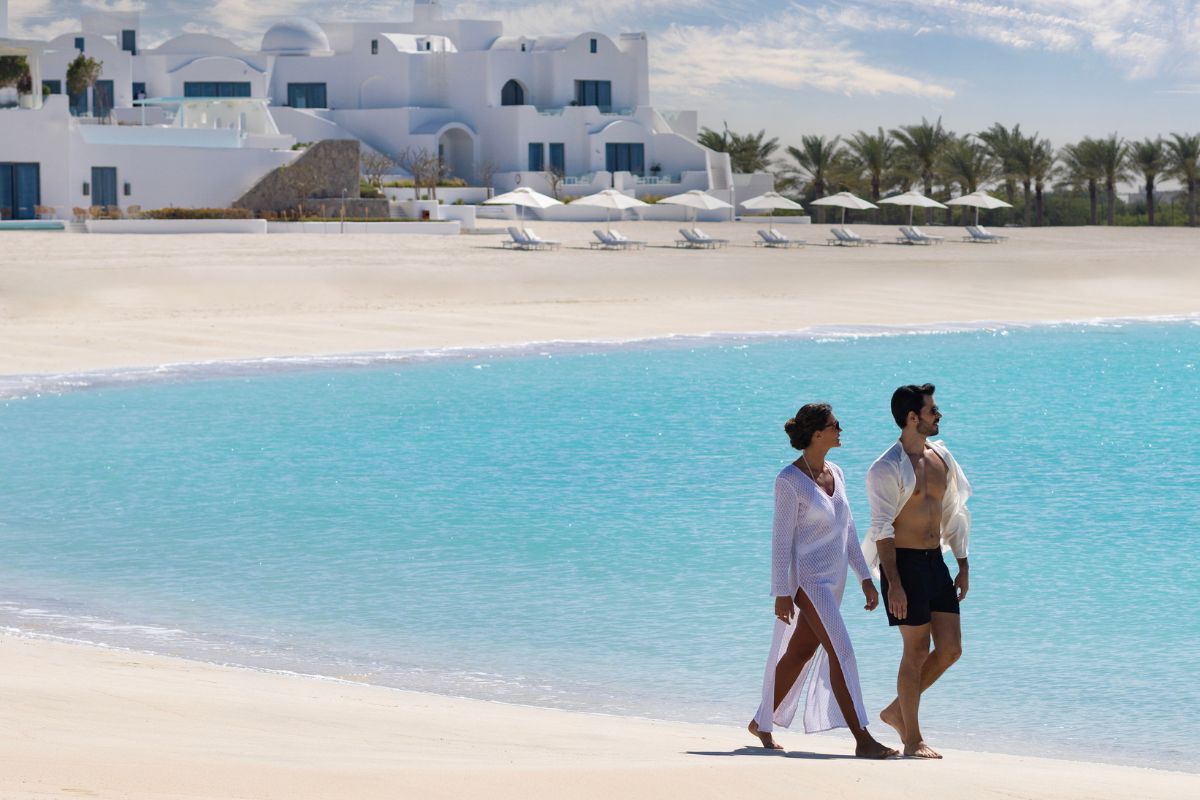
(800, 649)
(866, 745)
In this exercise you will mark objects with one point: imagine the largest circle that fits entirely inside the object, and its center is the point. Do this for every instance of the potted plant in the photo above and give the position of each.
(82, 74)
(25, 89)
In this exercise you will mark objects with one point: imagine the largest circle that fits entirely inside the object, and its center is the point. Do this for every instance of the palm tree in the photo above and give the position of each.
(1149, 157)
(968, 163)
(1112, 156)
(1184, 152)
(920, 147)
(1082, 168)
(713, 140)
(1042, 166)
(750, 152)
(1001, 143)
(873, 154)
(1020, 153)
(816, 159)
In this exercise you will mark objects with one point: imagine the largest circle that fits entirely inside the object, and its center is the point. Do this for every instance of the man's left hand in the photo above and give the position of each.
(961, 583)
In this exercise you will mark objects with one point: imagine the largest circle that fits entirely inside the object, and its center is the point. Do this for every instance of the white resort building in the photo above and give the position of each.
(197, 121)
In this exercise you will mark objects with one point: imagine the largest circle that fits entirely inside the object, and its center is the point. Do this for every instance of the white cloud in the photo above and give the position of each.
(115, 5)
(790, 52)
(1142, 39)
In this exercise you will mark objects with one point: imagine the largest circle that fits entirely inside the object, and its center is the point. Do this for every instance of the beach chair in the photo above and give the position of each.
(773, 238)
(786, 241)
(991, 235)
(604, 241)
(690, 240)
(929, 237)
(704, 237)
(518, 240)
(910, 236)
(625, 241)
(848, 238)
(977, 234)
(539, 243)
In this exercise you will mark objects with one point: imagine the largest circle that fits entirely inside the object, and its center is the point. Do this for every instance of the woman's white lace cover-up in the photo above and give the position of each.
(813, 542)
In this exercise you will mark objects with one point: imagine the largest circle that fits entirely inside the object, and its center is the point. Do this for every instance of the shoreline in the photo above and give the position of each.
(20, 385)
(221, 731)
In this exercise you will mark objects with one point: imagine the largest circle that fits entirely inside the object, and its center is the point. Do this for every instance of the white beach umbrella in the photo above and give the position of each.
(844, 200)
(912, 199)
(979, 199)
(696, 199)
(611, 200)
(523, 197)
(771, 201)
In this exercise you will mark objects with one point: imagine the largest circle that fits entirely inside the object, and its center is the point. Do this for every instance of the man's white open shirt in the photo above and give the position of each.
(890, 483)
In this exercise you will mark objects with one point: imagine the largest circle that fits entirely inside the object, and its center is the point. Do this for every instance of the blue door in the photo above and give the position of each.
(625, 157)
(104, 186)
(20, 191)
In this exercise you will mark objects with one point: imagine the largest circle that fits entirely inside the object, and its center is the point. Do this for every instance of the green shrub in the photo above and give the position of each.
(301, 145)
(198, 213)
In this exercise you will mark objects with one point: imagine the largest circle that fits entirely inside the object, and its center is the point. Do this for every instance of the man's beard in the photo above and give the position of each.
(927, 428)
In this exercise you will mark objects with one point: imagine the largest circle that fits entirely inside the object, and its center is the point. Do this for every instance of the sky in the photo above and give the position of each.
(1062, 68)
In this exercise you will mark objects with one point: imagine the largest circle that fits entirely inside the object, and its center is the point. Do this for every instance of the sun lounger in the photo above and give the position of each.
(625, 241)
(692, 240)
(773, 238)
(988, 233)
(976, 233)
(518, 240)
(848, 238)
(787, 241)
(928, 236)
(605, 241)
(704, 237)
(915, 236)
(540, 243)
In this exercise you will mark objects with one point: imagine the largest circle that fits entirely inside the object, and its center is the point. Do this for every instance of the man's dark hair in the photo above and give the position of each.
(909, 398)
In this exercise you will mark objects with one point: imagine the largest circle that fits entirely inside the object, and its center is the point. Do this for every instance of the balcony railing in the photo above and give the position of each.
(656, 179)
(576, 180)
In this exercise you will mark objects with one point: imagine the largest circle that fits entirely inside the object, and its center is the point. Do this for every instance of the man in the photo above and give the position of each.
(918, 497)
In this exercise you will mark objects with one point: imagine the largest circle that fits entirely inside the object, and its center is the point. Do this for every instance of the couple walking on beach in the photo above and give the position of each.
(918, 497)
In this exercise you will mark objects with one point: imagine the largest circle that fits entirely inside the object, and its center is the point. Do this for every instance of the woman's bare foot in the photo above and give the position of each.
(768, 741)
(920, 750)
(892, 716)
(873, 749)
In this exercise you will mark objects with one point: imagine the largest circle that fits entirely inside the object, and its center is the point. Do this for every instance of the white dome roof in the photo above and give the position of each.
(295, 37)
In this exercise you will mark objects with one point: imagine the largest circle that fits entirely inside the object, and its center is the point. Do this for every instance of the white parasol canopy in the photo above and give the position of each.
(912, 199)
(844, 200)
(772, 201)
(523, 197)
(611, 200)
(979, 199)
(696, 199)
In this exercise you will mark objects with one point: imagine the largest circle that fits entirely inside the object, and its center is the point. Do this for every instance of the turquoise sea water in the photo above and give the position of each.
(589, 527)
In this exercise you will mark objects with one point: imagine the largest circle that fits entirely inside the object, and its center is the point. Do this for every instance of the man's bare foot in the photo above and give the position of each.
(892, 716)
(768, 741)
(874, 749)
(920, 750)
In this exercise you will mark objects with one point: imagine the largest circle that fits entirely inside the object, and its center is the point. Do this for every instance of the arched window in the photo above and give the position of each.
(513, 94)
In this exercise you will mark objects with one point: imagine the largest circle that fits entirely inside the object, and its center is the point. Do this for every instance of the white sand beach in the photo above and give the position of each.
(71, 303)
(90, 722)
(84, 721)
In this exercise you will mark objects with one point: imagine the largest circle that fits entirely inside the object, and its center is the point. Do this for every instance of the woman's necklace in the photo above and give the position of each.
(816, 478)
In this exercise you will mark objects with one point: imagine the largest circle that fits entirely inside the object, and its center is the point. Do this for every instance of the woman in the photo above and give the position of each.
(813, 542)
